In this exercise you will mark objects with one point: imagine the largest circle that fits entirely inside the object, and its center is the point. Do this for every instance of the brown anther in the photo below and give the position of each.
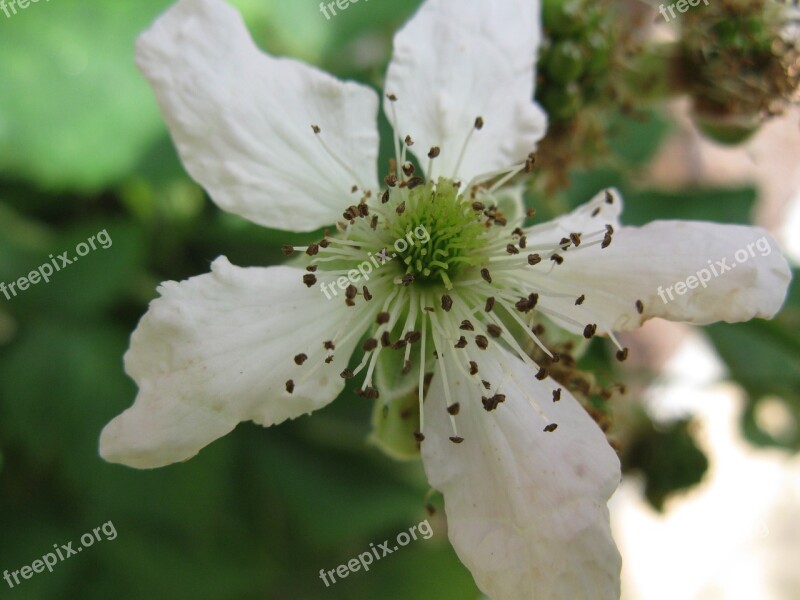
(538, 329)
(494, 330)
(596, 211)
(530, 213)
(542, 374)
(606, 240)
(575, 238)
(369, 345)
(373, 224)
(300, 359)
(406, 367)
(556, 258)
(610, 228)
(589, 331)
(346, 374)
(354, 189)
(622, 354)
(522, 305)
(351, 292)
(486, 384)
(412, 337)
(312, 250)
(420, 437)
(533, 300)
(473, 367)
(512, 249)
(385, 197)
(399, 345)
(290, 386)
(434, 152)
(454, 408)
(534, 259)
(479, 123)
(447, 303)
(391, 97)
(609, 197)
(409, 141)
(456, 440)
(386, 341)
(486, 276)
(367, 295)
(557, 395)
(478, 206)
(312, 268)
(329, 359)
(329, 345)
(491, 404)
(414, 182)
(363, 210)
(309, 279)
(481, 342)
(580, 300)
(408, 169)
(551, 428)
(401, 208)
(390, 180)
(370, 393)
(407, 279)
(466, 326)
(489, 304)
(461, 343)
(287, 250)
(523, 242)
(315, 129)
(639, 306)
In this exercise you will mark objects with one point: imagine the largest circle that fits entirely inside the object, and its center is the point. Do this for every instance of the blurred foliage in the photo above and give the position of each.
(259, 513)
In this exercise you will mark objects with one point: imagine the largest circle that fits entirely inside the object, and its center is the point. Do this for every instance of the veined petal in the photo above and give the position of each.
(526, 509)
(219, 349)
(457, 60)
(682, 271)
(242, 120)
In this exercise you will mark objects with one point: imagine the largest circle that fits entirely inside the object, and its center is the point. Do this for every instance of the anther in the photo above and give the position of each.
(391, 97)
(551, 428)
(530, 213)
(300, 359)
(466, 326)
(453, 409)
(542, 374)
(575, 238)
(622, 354)
(290, 386)
(523, 242)
(456, 440)
(481, 342)
(408, 169)
(512, 249)
(401, 208)
(434, 152)
(479, 123)
(419, 436)
(479, 206)
(370, 345)
(367, 295)
(489, 304)
(534, 259)
(494, 330)
(351, 292)
(409, 141)
(557, 258)
(390, 180)
(580, 300)
(473, 367)
(461, 343)
(309, 279)
(385, 339)
(316, 129)
(385, 197)
(287, 250)
(415, 182)
(639, 306)
(312, 250)
(447, 303)
(557, 395)
(589, 331)
(407, 279)
(346, 374)
(412, 337)
(609, 198)
(486, 276)
(329, 345)
(312, 268)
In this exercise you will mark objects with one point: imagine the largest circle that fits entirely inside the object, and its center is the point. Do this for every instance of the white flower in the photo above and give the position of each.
(524, 471)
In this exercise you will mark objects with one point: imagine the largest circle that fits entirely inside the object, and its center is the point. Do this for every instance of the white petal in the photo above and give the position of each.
(241, 120)
(526, 509)
(604, 209)
(646, 263)
(218, 349)
(461, 59)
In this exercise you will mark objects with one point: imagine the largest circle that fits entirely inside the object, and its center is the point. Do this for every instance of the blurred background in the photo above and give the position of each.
(691, 119)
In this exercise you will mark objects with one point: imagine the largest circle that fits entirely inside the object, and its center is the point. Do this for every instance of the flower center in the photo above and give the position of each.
(435, 232)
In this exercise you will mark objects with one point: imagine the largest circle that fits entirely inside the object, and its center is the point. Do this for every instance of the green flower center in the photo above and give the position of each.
(435, 232)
